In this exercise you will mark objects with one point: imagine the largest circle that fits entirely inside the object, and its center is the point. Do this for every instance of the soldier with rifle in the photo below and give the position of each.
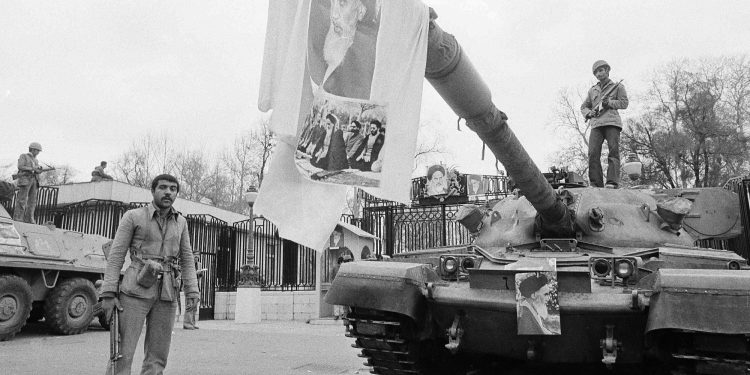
(28, 183)
(600, 107)
(157, 240)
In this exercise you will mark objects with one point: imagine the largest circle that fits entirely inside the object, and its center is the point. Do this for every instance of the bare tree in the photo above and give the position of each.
(62, 174)
(430, 147)
(146, 158)
(192, 169)
(262, 142)
(693, 130)
(568, 123)
(239, 164)
(217, 191)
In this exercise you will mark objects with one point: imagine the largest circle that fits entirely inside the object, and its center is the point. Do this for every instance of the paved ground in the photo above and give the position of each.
(218, 347)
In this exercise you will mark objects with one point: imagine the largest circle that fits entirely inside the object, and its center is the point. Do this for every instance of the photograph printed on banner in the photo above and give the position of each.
(341, 140)
(342, 41)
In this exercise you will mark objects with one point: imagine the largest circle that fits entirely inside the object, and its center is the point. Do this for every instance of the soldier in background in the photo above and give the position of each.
(98, 173)
(191, 309)
(28, 184)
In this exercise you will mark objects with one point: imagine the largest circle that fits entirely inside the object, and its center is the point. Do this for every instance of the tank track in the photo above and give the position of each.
(725, 358)
(388, 344)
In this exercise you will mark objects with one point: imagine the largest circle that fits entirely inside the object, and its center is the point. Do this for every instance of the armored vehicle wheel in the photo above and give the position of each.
(391, 344)
(15, 305)
(70, 306)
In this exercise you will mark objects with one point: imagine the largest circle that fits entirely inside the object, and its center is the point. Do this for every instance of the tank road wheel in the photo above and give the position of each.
(15, 305)
(391, 344)
(70, 306)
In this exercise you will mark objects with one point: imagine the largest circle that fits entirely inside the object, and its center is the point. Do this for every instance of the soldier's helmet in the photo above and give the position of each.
(598, 64)
(35, 146)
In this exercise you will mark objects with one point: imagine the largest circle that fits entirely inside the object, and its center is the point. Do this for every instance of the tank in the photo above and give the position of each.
(557, 275)
(48, 273)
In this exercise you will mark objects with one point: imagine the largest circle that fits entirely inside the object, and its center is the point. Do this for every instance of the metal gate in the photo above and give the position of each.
(209, 237)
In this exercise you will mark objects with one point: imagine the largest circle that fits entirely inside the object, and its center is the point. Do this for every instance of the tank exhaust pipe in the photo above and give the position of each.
(453, 76)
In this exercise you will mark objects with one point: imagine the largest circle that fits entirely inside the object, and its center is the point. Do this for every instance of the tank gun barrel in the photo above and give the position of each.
(453, 76)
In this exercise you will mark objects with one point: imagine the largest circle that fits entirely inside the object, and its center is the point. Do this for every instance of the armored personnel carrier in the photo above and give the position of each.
(559, 274)
(50, 273)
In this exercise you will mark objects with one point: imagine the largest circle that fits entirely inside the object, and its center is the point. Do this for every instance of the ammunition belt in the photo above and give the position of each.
(170, 264)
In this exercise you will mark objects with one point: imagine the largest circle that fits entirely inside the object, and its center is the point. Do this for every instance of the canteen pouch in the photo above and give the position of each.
(148, 274)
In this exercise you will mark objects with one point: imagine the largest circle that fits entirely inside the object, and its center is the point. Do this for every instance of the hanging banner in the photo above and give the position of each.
(337, 74)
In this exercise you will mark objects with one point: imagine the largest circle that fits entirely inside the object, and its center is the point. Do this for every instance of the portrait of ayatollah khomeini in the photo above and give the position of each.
(342, 39)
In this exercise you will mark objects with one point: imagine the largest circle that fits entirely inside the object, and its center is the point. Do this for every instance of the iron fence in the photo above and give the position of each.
(428, 222)
(45, 206)
(283, 264)
(209, 237)
(418, 228)
(93, 216)
(229, 262)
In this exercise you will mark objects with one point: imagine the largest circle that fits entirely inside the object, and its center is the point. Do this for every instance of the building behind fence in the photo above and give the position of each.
(223, 248)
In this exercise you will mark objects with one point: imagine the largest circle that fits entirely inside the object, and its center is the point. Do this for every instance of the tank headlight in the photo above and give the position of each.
(624, 268)
(602, 267)
(450, 265)
(468, 263)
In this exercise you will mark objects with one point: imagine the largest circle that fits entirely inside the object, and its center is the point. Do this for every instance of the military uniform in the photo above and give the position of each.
(149, 238)
(99, 175)
(188, 320)
(28, 184)
(606, 126)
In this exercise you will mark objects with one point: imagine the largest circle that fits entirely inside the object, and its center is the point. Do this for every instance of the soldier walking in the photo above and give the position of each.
(28, 183)
(600, 107)
(156, 236)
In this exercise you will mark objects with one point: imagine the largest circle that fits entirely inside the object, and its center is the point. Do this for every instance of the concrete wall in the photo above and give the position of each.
(224, 305)
(289, 305)
(122, 192)
(299, 306)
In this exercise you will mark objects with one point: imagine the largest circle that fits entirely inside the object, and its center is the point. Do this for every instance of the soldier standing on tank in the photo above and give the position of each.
(606, 124)
(156, 236)
(28, 183)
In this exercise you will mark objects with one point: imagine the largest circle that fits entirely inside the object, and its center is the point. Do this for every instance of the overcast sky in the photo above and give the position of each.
(86, 78)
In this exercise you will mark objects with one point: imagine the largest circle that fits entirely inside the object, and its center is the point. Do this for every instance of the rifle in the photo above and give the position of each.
(114, 341)
(597, 108)
(16, 175)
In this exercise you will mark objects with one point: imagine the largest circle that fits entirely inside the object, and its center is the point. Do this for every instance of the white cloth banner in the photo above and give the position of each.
(337, 74)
